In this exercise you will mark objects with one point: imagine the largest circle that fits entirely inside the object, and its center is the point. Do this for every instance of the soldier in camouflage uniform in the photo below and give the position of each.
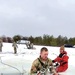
(15, 47)
(41, 63)
(1, 44)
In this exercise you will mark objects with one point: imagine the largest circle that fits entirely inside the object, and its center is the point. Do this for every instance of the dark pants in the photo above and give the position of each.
(0, 49)
(15, 50)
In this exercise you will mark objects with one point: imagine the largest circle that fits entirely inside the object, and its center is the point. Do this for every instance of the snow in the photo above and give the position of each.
(20, 63)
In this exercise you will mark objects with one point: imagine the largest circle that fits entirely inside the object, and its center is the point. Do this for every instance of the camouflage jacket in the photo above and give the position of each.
(1, 43)
(38, 64)
(14, 45)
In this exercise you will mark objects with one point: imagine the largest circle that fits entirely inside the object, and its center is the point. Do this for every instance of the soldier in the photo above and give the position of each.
(15, 47)
(28, 45)
(1, 44)
(31, 45)
(42, 64)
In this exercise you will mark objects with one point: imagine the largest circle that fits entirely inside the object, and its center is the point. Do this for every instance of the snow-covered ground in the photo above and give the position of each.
(20, 63)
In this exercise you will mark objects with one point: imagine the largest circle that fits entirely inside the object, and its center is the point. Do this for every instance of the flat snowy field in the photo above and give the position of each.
(20, 63)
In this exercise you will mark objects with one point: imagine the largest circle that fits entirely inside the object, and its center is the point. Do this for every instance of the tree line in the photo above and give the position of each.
(47, 40)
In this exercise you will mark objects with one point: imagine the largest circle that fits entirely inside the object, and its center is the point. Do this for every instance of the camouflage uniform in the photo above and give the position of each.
(37, 66)
(1, 45)
(15, 47)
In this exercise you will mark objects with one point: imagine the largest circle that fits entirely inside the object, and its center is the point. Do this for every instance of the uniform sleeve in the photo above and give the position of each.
(34, 67)
(52, 69)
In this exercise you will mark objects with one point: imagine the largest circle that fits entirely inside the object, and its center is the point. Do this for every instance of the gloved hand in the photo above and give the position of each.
(53, 61)
(56, 65)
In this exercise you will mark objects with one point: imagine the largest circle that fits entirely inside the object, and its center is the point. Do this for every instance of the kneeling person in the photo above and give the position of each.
(62, 59)
(42, 63)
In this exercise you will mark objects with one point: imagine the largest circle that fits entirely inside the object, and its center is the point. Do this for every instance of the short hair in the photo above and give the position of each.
(44, 49)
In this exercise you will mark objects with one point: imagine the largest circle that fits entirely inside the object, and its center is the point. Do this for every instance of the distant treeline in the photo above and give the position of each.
(46, 40)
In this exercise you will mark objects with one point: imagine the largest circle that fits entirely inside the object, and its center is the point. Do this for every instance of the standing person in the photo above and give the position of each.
(31, 45)
(1, 45)
(15, 47)
(42, 63)
(28, 45)
(62, 60)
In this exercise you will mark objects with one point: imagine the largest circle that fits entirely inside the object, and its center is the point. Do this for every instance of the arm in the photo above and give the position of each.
(59, 58)
(54, 71)
(34, 67)
(52, 68)
(63, 63)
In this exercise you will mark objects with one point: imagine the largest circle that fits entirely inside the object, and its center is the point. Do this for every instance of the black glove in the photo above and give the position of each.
(57, 64)
(53, 61)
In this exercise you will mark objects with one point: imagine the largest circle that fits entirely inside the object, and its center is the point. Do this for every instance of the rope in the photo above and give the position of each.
(11, 66)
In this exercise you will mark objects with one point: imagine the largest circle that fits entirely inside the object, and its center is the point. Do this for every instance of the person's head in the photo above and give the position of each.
(44, 53)
(62, 49)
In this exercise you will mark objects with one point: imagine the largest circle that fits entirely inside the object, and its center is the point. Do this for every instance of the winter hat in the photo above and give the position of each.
(62, 48)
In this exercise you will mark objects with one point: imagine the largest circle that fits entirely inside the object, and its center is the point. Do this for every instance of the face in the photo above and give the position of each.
(61, 51)
(44, 55)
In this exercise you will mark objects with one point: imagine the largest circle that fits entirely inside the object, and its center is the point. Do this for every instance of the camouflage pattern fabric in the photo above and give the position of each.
(37, 66)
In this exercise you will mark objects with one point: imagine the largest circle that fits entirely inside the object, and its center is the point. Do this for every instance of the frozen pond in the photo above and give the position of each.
(20, 63)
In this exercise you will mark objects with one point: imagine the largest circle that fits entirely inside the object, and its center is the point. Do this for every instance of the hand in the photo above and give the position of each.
(56, 65)
(53, 61)
(56, 74)
(38, 74)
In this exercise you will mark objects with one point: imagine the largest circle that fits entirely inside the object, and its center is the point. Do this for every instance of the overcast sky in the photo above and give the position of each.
(37, 17)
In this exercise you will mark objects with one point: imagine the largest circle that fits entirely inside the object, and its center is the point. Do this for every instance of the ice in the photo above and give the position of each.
(20, 63)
